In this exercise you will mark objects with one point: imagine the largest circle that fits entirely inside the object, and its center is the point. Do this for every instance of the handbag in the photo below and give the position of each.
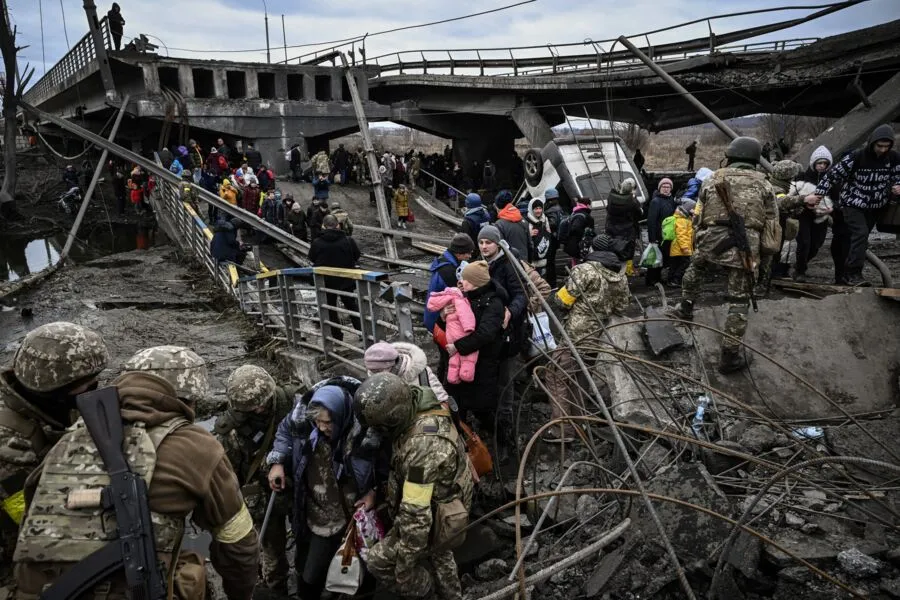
(345, 573)
(476, 449)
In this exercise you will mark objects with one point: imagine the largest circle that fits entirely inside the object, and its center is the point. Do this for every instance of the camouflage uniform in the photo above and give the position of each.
(343, 217)
(186, 472)
(754, 200)
(783, 172)
(51, 358)
(593, 293)
(429, 472)
(247, 437)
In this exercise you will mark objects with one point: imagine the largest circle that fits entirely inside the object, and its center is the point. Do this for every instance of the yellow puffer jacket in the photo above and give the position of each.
(683, 244)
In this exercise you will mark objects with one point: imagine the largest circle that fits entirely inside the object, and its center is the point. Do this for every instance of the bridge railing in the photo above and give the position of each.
(337, 313)
(79, 62)
(543, 60)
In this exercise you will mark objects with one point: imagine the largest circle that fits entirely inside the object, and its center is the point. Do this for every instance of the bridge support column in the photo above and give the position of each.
(532, 124)
(281, 86)
(186, 81)
(309, 87)
(336, 79)
(362, 84)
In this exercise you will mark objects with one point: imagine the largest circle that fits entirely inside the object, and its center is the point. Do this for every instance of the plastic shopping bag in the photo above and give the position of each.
(652, 257)
(541, 338)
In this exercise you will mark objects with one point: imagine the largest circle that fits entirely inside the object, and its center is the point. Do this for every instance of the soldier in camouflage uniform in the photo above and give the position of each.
(595, 290)
(186, 472)
(429, 485)
(343, 218)
(754, 201)
(783, 172)
(256, 405)
(55, 362)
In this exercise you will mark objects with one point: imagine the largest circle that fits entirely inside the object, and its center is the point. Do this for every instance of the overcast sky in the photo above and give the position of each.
(206, 25)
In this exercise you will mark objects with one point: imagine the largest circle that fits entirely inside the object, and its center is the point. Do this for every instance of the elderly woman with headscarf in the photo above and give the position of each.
(331, 458)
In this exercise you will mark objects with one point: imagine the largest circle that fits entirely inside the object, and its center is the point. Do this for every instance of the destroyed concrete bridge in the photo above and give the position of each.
(481, 102)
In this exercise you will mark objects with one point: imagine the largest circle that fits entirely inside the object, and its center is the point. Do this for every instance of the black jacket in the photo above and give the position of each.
(334, 248)
(224, 245)
(580, 220)
(623, 216)
(867, 178)
(254, 158)
(504, 275)
(314, 218)
(660, 208)
(488, 303)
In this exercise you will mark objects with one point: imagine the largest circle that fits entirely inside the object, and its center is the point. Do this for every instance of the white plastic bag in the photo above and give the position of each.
(541, 337)
(652, 257)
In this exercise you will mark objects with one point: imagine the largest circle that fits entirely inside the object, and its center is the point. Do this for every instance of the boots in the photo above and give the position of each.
(732, 361)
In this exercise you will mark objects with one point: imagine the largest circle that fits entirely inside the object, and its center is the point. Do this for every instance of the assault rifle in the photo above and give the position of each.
(737, 239)
(134, 550)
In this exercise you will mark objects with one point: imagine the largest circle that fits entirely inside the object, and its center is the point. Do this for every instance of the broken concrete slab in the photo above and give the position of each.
(661, 336)
(694, 535)
(846, 334)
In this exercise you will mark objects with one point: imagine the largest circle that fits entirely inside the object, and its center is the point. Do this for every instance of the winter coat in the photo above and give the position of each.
(176, 167)
(623, 221)
(272, 211)
(694, 183)
(296, 221)
(554, 214)
(212, 164)
(580, 221)
(595, 289)
(356, 448)
(296, 158)
(401, 203)
(251, 199)
(459, 324)
(315, 217)
(443, 275)
(320, 189)
(504, 274)
(539, 232)
(488, 307)
(266, 179)
(683, 244)
(544, 289)
(165, 157)
(514, 230)
(660, 208)
(334, 248)
(473, 221)
(224, 245)
(866, 177)
(254, 158)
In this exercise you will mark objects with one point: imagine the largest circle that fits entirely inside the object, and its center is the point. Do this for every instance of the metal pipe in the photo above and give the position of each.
(266, 14)
(723, 127)
(90, 191)
(284, 37)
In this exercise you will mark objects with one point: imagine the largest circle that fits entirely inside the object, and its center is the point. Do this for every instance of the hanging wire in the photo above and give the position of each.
(43, 50)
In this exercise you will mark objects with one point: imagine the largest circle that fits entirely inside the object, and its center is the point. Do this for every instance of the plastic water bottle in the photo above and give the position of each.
(697, 424)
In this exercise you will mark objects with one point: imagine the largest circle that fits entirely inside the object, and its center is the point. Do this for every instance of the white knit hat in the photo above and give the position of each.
(820, 153)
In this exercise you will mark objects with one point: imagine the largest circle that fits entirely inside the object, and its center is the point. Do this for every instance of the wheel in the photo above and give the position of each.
(533, 164)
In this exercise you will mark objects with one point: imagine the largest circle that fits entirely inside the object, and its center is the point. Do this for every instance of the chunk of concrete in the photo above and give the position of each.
(661, 336)
(491, 569)
(857, 564)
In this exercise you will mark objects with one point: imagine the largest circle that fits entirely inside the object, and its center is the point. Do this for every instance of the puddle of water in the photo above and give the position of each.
(21, 256)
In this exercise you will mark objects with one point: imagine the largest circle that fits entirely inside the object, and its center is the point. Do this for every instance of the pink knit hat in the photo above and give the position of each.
(664, 180)
(380, 356)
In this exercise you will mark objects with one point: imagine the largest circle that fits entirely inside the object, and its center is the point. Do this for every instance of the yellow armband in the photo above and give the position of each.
(417, 494)
(565, 297)
(236, 528)
(14, 506)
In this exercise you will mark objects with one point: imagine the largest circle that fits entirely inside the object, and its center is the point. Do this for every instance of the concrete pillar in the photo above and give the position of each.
(532, 125)
(362, 82)
(281, 86)
(186, 81)
(151, 79)
(336, 80)
(220, 83)
(309, 87)
(252, 80)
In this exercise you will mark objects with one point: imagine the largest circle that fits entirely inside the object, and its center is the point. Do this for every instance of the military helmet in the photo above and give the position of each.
(744, 148)
(384, 401)
(186, 174)
(249, 387)
(785, 170)
(55, 355)
(178, 365)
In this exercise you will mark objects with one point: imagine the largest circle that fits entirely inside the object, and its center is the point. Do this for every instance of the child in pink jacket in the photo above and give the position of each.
(459, 324)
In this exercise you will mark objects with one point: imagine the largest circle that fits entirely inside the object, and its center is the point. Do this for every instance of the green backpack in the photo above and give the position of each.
(668, 228)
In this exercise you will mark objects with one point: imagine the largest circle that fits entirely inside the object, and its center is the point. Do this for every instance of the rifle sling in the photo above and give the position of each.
(84, 575)
(257, 460)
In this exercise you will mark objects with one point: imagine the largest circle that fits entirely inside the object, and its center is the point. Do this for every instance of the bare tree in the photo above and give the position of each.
(13, 86)
(787, 127)
(634, 137)
(811, 127)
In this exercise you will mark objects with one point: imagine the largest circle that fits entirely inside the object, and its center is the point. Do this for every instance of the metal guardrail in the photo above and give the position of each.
(79, 62)
(556, 63)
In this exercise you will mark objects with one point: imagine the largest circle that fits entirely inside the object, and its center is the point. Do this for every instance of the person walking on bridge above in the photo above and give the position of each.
(116, 24)
(870, 178)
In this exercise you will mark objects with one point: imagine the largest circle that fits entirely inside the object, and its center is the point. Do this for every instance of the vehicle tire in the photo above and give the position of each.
(533, 164)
